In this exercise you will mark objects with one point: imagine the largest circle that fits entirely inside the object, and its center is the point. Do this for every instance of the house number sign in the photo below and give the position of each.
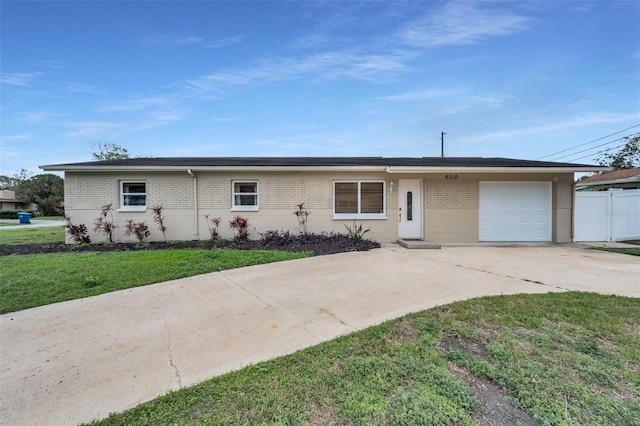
(451, 176)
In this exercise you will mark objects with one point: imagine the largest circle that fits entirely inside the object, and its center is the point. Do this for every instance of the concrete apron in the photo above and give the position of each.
(75, 361)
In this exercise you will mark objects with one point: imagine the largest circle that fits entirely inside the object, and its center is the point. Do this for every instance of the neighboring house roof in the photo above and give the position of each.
(393, 164)
(8, 196)
(612, 178)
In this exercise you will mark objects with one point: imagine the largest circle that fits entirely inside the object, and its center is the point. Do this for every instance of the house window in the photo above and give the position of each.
(244, 195)
(133, 195)
(359, 199)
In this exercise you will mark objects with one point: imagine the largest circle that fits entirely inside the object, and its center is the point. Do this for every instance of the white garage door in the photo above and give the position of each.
(515, 211)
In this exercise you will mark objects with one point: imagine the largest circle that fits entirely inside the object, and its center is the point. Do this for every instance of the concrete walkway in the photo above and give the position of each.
(35, 223)
(76, 361)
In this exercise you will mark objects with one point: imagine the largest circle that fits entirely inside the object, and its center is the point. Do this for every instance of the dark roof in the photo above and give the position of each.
(613, 176)
(318, 162)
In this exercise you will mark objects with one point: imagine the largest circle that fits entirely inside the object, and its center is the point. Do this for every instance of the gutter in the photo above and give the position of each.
(195, 204)
(381, 169)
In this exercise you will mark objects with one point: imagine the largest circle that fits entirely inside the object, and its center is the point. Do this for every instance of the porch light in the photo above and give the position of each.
(391, 187)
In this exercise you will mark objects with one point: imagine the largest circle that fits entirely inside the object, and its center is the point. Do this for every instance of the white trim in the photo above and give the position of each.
(132, 209)
(549, 225)
(402, 184)
(241, 208)
(358, 214)
(387, 169)
(122, 194)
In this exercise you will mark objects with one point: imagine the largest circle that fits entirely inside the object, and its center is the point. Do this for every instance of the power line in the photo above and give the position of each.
(587, 143)
(588, 149)
(589, 155)
(589, 91)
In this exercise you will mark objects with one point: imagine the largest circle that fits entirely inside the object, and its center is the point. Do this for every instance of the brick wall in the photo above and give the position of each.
(461, 193)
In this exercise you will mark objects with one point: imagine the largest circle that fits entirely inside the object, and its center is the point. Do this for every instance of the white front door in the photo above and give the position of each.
(410, 208)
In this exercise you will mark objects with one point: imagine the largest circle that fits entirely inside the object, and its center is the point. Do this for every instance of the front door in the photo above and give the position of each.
(410, 209)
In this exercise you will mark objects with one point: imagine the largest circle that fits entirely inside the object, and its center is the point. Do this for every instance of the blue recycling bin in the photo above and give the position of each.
(24, 217)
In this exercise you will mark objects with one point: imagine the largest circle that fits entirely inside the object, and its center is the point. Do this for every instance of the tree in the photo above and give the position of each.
(5, 182)
(45, 190)
(12, 182)
(108, 151)
(627, 157)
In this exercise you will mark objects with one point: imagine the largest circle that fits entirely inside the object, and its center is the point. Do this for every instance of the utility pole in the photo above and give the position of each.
(442, 144)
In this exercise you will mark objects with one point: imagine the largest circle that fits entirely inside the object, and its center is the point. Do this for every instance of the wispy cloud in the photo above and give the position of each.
(36, 117)
(53, 64)
(460, 23)
(14, 138)
(190, 40)
(156, 119)
(137, 123)
(222, 42)
(87, 129)
(420, 95)
(571, 122)
(79, 88)
(322, 66)
(22, 79)
(134, 104)
(476, 103)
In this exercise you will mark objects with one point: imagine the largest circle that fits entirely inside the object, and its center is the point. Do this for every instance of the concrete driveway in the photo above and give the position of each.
(76, 361)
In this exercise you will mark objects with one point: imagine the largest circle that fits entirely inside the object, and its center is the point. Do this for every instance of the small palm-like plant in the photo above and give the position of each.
(356, 233)
(241, 225)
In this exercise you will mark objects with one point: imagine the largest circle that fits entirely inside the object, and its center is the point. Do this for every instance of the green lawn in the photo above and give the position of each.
(53, 234)
(634, 251)
(563, 358)
(28, 281)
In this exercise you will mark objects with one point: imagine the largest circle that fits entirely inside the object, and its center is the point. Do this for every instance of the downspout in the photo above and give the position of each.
(573, 211)
(195, 204)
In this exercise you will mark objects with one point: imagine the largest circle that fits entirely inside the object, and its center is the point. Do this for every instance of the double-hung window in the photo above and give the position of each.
(133, 195)
(244, 195)
(359, 199)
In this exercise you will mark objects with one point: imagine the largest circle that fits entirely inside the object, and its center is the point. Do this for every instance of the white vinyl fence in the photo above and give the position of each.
(612, 215)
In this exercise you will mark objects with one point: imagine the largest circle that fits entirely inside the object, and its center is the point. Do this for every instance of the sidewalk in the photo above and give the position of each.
(35, 223)
(75, 361)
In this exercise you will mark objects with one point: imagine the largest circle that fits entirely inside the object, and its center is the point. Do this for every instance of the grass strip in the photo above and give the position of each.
(28, 281)
(45, 235)
(563, 358)
(634, 251)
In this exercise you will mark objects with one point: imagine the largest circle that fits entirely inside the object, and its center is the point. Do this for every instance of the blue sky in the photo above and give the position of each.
(325, 78)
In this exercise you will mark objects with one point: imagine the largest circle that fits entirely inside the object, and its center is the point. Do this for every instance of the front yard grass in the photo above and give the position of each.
(551, 359)
(46, 235)
(28, 281)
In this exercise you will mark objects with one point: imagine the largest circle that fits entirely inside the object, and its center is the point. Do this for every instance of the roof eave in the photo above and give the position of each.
(387, 169)
(443, 169)
(72, 168)
(632, 179)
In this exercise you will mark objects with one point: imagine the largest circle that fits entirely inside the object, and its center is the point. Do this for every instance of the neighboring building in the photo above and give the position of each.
(623, 179)
(445, 200)
(9, 201)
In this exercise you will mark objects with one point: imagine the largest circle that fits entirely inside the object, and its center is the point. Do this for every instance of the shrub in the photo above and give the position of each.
(13, 214)
(213, 223)
(139, 229)
(356, 233)
(302, 215)
(104, 225)
(158, 218)
(241, 225)
(79, 233)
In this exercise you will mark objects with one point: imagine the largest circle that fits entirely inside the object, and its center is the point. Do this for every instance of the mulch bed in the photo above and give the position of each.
(319, 244)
